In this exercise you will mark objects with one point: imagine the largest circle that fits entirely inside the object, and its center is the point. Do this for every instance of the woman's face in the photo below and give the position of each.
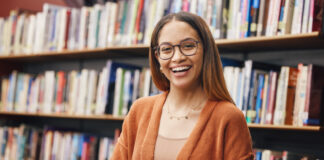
(182, 71)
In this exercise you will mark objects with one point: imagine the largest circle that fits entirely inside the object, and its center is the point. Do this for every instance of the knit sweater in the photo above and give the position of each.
(220, 132)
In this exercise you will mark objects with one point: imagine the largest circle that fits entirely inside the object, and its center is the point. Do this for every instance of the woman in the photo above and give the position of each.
(195, 117)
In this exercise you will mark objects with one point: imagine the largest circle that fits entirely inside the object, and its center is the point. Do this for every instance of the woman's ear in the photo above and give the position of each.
(156, 55)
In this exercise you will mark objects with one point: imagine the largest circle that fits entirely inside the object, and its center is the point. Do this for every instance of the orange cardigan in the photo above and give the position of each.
(220, 133)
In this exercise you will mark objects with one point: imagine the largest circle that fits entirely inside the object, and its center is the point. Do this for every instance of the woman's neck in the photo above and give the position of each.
(181, 99)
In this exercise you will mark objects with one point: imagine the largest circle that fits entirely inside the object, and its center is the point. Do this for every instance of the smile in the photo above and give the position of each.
(181, 69)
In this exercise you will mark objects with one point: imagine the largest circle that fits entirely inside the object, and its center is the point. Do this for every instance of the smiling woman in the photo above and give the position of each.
(195, 117)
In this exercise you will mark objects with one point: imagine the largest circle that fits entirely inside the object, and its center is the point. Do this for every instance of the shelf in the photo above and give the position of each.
(63, 116)
(252, 44)
(284, 127)
(111, 52)
(312, 40)
(113, 118)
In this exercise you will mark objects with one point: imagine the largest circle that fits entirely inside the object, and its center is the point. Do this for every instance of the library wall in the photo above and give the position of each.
(33, 5)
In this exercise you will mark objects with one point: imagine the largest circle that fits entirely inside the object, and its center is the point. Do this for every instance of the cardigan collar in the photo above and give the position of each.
(153, 129)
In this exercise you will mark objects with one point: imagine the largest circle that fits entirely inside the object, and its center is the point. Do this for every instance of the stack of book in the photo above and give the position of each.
(26, 142)
(129, 22)
(88, 92)
(279, 95)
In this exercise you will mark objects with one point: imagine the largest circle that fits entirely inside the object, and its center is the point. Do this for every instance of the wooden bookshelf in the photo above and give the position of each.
(63, 116)
(284, 127)
(252, 44)
(114, 118)
(307, 41)
(110, 52)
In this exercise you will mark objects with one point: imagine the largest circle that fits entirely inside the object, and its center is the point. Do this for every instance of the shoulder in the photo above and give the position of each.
(145, 105)
(228, 112)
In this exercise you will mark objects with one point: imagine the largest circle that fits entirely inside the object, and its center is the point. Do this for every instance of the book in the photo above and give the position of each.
(313, 112)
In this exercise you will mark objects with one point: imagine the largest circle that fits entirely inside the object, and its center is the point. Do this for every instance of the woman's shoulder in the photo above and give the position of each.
(146, 104)
(227, 110)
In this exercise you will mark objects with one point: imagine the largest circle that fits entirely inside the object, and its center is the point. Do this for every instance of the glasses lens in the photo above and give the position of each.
(166, 51)
(188, 47)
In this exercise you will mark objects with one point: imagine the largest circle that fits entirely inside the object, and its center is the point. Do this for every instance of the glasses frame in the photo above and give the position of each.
(157, 48)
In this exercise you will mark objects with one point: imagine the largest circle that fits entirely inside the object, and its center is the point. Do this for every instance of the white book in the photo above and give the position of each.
(102, 92)
(30, 35)
(147, 82)
(103, 25)
(136, 85)
(48, 145)
(49, 91)
(236, 82)
(297, 17)
(280, 109)
(285, 26)
(132, 19)
(73, 29)
(23, 97)
(193, 6)
(91, 95)
(118, 86)
(82, 97)
(300, 95)
(149, 21)
(83, 27)
(93, 21)
(39, 32)
(111, 24)
(270, 15)
(231, 19)
(228, 75)
(6, 38)
(33, 99)
(62, 29)
(12, 20)
(305, 15)
(126, 94)
(74, 92)
(311, 17)
(18, 34)
(11, 91)
(274, 18)
(239, 101)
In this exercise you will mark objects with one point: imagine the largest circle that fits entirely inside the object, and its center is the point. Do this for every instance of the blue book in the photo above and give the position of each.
(259, 99)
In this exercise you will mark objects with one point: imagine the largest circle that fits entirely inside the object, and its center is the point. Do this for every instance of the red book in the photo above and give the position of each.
(314, 108)
(291, 91)
(68, 19)
(138, 20)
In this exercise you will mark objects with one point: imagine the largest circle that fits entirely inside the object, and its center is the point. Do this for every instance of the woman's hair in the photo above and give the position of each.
(211, 74)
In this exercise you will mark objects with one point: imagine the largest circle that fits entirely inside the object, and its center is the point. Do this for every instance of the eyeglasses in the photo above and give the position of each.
(187, 47)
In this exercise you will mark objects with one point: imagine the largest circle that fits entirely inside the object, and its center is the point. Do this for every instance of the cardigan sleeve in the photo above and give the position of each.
(238, 143)
(121, 150)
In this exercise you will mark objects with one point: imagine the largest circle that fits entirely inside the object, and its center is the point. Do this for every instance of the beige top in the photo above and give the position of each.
(168, 148)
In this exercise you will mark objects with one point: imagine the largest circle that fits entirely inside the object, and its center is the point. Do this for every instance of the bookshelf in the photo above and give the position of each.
(304, 41)
(114, 118)
(306, 139)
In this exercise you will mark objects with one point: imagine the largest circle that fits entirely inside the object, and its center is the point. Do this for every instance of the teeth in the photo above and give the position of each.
(180, 68)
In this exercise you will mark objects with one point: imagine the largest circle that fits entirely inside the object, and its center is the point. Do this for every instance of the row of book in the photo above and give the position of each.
(128, 22)
(85, 92)
(265, 154)
(25, 142)
(270, 94)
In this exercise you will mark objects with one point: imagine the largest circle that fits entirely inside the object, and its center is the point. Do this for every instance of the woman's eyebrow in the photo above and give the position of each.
(188, 38)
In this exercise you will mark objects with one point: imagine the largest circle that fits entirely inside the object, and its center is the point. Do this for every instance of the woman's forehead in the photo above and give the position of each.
(175, 31)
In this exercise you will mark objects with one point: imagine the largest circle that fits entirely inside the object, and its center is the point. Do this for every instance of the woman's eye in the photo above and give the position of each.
(166, 49)
(188, 46)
